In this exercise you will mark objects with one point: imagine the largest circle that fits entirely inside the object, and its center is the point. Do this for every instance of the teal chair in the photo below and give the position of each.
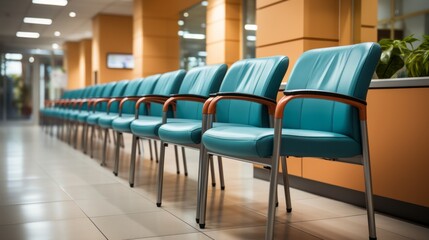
(126, 114)
(198, 84)
(324, 113)
(79, 118)
(112, 112)
(167, 84)
(100, 108)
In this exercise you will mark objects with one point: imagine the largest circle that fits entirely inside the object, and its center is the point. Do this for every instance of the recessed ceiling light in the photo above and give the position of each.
(43, 21)
(205, 3)
(13, 56)
(251, 27)
(180, 22)
(57, 33)
(55, 45)
(51, 2)
(72, 14)
(186, 14)
(251, 38)
(28, 34)
(31, 59)
(197, 36)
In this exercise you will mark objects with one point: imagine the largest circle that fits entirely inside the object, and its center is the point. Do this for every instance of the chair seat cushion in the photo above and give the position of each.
(123, 123)
(93, 118)
(105, 120)
(148, 126)
(258, 142)
(186, 131)
(82, 116)
(72, 115)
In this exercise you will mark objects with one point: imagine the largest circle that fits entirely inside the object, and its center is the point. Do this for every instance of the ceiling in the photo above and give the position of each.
(12, 13)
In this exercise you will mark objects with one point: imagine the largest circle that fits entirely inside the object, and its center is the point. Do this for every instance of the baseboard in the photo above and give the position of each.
(407, 211)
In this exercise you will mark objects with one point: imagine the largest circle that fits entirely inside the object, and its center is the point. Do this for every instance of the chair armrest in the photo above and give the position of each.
(186, 97)
(97, 101)
(148, 99)
(210, 106)
(317, 94)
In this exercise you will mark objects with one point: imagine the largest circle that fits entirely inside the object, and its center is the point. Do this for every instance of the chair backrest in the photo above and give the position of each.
(346, 70)
(167, 84)
(118, 91)
(107, 92)
(199, 81)
(258, 76)
(146, 87)
(130, 90)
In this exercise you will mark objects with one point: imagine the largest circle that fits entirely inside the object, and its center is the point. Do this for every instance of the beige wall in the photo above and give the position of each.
(111, 34)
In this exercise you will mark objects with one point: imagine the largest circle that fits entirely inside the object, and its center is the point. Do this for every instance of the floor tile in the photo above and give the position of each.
(81, 229)
(188, 236)
(39, 212)
(116, 206)
(141, 225)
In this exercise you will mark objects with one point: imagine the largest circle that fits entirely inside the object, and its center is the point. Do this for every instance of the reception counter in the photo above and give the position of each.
(398, 129)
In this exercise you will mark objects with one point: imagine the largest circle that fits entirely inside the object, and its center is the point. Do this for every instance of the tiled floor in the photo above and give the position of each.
(49, 190)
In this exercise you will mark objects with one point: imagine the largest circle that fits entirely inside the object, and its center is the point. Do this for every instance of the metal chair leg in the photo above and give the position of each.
(92, 141)
(156, 151)
(185, 167)
(286, 185)
(368, 182)
(177, 159)
(133, 161)
(103, 160)
(117, 151)
(138, 147)
(201, 211)
(150, 150)
(160, 175)
(212, 172)
(220, 166)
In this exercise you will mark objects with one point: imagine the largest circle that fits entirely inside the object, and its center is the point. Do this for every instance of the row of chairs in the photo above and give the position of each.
(234, 113)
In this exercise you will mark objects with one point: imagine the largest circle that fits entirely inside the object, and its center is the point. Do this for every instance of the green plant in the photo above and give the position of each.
(392, 56)
(399, 53)
(417, 60)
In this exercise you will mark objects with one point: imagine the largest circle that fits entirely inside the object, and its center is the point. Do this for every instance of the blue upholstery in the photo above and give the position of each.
(105, 120)
(260, 76)
(123, 123)
(335, 134)
(305, 125)
(168, 83)
(101, 108)
(84, 111)
(185, 128)
(104, 91)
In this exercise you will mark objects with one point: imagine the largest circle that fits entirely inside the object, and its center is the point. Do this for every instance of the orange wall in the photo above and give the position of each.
(71, 63)
(85, 64)
(223, 31)
(155, 39)
(111, 34)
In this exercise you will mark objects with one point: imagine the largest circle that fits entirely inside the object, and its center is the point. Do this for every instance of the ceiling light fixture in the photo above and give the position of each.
(251, 38)
(43, 21)
(251, 27)
(55, 45)
(72, 14)
(204, 3)
(13, 56)
(28, 34)
(51, 2)
(194, 36)
(31, 59)
(57, 33)
(180, 22)
(186, 14)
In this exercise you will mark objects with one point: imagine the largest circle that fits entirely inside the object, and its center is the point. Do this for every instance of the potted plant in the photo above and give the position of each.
(399, 53)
